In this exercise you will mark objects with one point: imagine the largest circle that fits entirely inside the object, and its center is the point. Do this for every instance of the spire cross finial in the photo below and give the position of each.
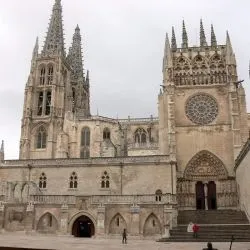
(213, 37)
(184, 36)
(203, 41)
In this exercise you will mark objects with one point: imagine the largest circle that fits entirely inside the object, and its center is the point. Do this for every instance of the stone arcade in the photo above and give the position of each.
(90, 175)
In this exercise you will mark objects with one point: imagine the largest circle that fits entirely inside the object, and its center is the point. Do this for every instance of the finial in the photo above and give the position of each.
(167, 60)
(2, 147)
(213, 37)
(230, 57)
(35, 50)
(184, 36)
(203, 41)
(173, 40)
(77, 27)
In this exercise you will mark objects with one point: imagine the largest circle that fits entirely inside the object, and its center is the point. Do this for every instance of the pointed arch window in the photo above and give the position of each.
(73, 180)
(48, 102)
(40, 104)
(140, 136)
(42, 76)
(106, 134)
(158, 195)
(105, 182)
(85, 143)
(43, 181)
(41, 138)
(50, 74)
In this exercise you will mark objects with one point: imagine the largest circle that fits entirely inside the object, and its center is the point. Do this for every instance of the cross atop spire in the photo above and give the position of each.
(54, 42)
(184, 36)
(203, 41)
(75, 56)
(213, 37)
(173, 40)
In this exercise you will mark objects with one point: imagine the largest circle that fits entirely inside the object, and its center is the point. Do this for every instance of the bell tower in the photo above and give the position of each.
(202, 115)
(48, 94)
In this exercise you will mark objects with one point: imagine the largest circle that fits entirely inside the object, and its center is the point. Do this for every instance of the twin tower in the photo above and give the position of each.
(57, 87)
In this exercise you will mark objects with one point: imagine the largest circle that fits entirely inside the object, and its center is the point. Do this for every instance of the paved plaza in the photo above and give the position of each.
(67, 242)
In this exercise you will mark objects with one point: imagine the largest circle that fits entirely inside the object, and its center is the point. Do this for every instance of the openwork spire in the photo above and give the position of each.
(203, 41)
(184, 36)
(173, 40)
(213, 37)
(54, 42)
(75, 56)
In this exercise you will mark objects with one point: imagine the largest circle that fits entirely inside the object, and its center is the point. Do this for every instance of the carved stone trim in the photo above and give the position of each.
(205, 166)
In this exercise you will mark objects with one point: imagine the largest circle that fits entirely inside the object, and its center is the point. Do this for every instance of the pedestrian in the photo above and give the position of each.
(195, 230)
(124, 236)
(190, 227)
(209, 247)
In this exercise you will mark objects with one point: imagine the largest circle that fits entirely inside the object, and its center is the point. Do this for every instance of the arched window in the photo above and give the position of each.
(85, 143)
(118, 221)
(40, 104)
(158, 195)
(42, 76)
(106, 134)
(50, 74)
(85, 137)
(73, 180)
(48, 103)
(41, 138)
(105, 180)
(140, 136)
(43, 181)
(73, 99)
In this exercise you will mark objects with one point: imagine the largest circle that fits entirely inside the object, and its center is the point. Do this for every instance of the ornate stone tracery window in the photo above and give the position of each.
(43, 181)
(140, 136)
(85, 143)
(105, 183)
(201, 109)
(50, 74)
(42, 76)
(41, 139)
(73, 180)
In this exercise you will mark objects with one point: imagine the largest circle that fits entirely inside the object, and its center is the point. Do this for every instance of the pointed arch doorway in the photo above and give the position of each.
(200, 195)
(83, 227)
(211, 195)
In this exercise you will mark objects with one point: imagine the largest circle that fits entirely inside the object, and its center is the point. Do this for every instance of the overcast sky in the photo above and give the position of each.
(123, 42)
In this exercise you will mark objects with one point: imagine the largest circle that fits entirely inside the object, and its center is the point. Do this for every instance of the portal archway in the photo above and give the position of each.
(84, 227)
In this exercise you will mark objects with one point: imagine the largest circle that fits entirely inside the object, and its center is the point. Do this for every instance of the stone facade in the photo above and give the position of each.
(94, 176)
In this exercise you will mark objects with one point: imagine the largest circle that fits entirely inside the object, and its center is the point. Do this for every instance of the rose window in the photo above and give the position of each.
(202, 109)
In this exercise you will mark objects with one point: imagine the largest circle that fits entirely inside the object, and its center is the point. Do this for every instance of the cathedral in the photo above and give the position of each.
(92, 176)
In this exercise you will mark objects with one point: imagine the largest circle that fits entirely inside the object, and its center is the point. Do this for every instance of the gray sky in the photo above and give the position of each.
(123, 42)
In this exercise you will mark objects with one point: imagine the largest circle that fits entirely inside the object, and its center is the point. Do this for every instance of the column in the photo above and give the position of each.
(135, 220)
(2, 208)
(29, 218)
(100, 227)
(64, 219)
(205, 192)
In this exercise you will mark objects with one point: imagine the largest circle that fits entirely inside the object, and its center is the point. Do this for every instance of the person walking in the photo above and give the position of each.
(209, 247)
(195, 230)
(124, 236)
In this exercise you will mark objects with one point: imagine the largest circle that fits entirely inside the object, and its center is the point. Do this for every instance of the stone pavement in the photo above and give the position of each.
(68, 242)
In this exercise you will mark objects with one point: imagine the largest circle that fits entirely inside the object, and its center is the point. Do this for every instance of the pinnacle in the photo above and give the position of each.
(184, 36)
(203, 41)
(213, 37)
(173, 40)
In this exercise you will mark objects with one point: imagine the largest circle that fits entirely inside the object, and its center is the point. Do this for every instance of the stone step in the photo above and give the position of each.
(212, 217)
